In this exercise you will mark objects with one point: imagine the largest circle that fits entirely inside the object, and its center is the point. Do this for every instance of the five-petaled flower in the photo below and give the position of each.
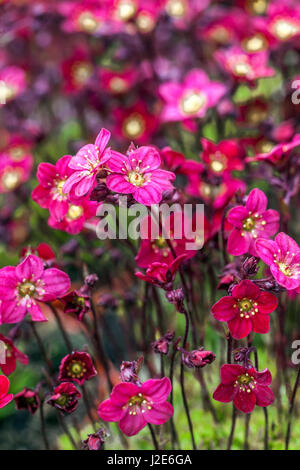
(23, 286)
(251, 222)
(138, 173)
(245, 310)
(76, 367)
(283, 257)
(246, 387)
(133, 406)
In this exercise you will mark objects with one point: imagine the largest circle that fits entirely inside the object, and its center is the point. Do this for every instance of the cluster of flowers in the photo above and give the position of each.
(160, 115)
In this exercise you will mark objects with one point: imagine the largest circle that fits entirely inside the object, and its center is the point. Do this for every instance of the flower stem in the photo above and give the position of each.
(155, 443)
(291, 409)
(43, 426)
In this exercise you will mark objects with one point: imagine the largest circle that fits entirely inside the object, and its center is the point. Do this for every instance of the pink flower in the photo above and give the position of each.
(118, 82)
(13, 173)
(139, 174)
(13, 83)
(250, 222)
(87, 163)
(245, 310)
(226, 156)
(246, 387)
(157, 249)
(12, 355)
(5, 397)
(135, 123)
(190, 99)
(283, 257)
(77, 70)
(242, 66)
(49, 194)
(75, 218)
(133, 406)
(278, 153)
(22, 287)
(162, 274)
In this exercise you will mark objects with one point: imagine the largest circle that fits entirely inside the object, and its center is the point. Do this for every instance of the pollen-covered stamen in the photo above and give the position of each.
(286, 264)
(193, 101)
(57, 190)
(27, 288)
(247, 307)
(253, 223)
(218, 162)
(139, 404)
(245, 382)
(136, 178)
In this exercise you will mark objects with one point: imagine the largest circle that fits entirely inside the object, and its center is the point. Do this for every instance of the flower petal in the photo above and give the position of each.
(122, 392)
(236, 216)
(109, 410)
(264, 395)
(159, 413)
(31, 268)
(237, 244)
(240, 327)
(257, 201)
(230, 372)
(157, 389)
(130, 425)
(245, 401)
(267, 302)
(224, 309)
(261, 323)
(224, 393)
(56, 284)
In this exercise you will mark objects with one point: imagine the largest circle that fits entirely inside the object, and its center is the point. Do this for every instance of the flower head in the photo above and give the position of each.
(139, 174)
(133, 406)
(86, 165)
(246, 310)
(95, 441)
(28, 399)
(251, 222)
(12, 355)
(22, 287)
(246, 387)
(162, 274)
(76, 367)
(65, 397)
(76, 301)
(283, 257)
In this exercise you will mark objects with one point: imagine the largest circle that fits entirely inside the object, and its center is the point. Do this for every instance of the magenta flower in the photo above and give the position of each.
(250, 222)
(283, 257)
(13, 83)
(86, 164)
(28, 399)
(49, 194)
(133, 406)
(12, 355)
(23, 286)
(246, 387)
(243, 66)
(246, 310)
(75, 218)
(139, 174)
(190, 99)
(226, 156)
(5, 397)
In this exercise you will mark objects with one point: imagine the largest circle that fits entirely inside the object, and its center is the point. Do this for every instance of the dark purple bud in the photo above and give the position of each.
(198, 358)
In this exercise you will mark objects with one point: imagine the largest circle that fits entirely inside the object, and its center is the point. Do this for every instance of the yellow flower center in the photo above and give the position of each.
(257, 6)
(192, 102)
(220, 34)
(134, 126)
(284, 29)
(176, 8)
(285, 269)
(17, 153)
(75, 212)
(118, 85)
(126, 9)
(11, 179)
(82, 72)
(62, 400)
(87, 22)
(245, 379)
(256, 115)
(241, 68)
(265, 146)
(245, 305)
(256, 43)
(7, 92)
(26, 288)
(145, 22)
(249, 224)
(136, 178)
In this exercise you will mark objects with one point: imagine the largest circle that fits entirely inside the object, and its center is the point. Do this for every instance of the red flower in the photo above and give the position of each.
(76, 367)
(12, 355)
(225, 156)
(28, 399)
(76, 302)
(65, 397)
(95, 441)
(246, 310)
(5, 397)
(162, 274)
(246, 387)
